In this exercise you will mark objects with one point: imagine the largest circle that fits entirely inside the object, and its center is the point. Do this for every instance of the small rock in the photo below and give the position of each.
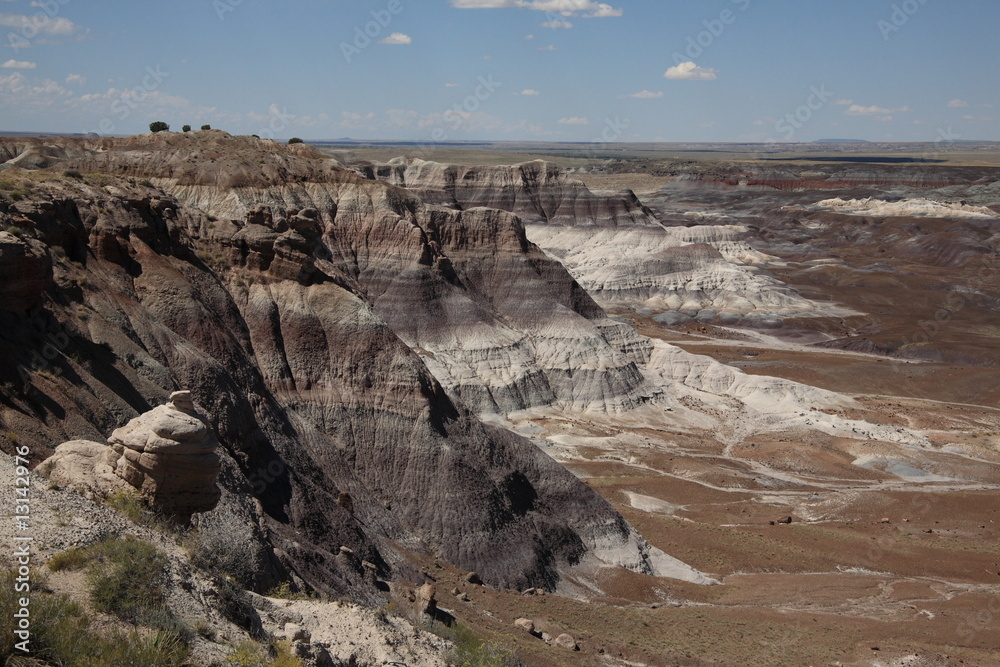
(296, 633)
(530, 591)
(464, 597)
(566, 641)
(885, 519)
(525, 624)
(344, 500)
(785, 519)
(929, 530)
(456, 592)
(474, 578)
(547, 638)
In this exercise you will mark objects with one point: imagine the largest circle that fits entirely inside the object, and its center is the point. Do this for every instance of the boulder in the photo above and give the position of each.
(525, 624)
(167, 454)
(85, 466)
(567, 641)
(426, 602)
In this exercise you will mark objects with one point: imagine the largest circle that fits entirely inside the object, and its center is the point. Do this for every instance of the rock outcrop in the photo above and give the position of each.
(25, 271)
(536, 191)
(167, 454)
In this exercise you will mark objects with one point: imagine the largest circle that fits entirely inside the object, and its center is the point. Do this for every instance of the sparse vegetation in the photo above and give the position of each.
(73, 173)
(61, 635)
(146, 183)
(224, 548)
(206, 127)
(186, 128)
(295, 140)
(471, 651)
(285, 592)
(252, 654)
(131, 504)
(126, 577)
(158, 126)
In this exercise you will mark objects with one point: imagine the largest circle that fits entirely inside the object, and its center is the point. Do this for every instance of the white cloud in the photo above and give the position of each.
(556, 24)
(603, 11)
(19, 64)
(39, 23)
(397, 38)
(76, 79)
(529, 36)
(528, 91)
(574, 120)
(586, 8)
(451, 85)
(958, 104)
(690, 72)
(646, 95)
(550, 47)
(876, 112)
(844, 103)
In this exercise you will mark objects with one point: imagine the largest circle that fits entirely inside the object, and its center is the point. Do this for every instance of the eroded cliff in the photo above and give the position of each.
(282, 322)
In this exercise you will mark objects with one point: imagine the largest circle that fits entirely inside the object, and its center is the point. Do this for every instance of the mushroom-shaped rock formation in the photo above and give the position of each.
(168, 454)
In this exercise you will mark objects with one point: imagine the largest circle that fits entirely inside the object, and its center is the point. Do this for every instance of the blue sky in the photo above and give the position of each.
(553, 70)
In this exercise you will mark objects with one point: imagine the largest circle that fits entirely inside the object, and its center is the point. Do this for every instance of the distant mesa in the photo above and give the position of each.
(841, 141)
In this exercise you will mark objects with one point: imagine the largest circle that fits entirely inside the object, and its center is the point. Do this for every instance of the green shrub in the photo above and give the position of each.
(285, 592)
(295, 140)
(186, 128)
(471, 651)
(127, 578)
(73, 173)
(252, 654)
(71, 559)
(206, 127)
(132, 505)
(61, 635)
(158, 126)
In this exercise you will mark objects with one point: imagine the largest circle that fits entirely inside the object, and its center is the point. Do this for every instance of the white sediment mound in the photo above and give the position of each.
(916, 208)
(705, 272)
